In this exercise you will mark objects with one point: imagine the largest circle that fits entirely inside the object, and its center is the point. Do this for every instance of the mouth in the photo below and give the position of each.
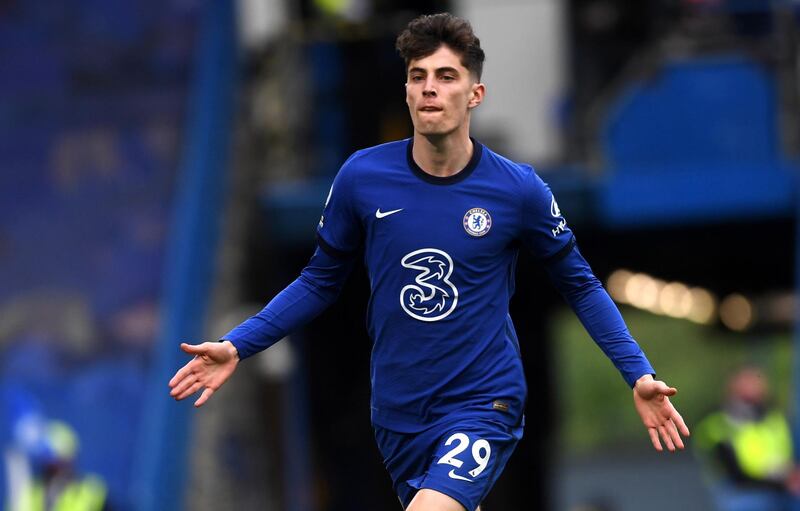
(430, 109)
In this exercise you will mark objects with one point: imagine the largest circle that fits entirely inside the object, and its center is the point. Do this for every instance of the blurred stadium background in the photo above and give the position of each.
(163, 165)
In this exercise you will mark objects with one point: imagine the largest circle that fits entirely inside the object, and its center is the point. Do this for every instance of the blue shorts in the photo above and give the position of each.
(462, 458)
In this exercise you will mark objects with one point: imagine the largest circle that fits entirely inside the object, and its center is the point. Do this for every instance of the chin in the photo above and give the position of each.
(432, 130)
(431, 133)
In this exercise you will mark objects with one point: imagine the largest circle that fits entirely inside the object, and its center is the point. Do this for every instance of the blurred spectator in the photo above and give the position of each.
(747, 447)
(39, 463)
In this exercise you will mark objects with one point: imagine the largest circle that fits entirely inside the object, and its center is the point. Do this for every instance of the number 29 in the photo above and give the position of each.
(481, 452)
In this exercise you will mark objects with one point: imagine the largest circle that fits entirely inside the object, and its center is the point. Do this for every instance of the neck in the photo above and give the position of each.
(442, 155)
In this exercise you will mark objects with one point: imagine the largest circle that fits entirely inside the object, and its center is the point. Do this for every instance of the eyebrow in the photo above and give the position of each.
(439, 70)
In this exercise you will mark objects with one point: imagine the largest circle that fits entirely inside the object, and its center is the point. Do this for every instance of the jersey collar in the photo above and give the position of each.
(477, 151)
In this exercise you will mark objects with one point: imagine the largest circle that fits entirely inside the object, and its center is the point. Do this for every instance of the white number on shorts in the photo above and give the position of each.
(482, 461)
(463, 443)
(481, 452)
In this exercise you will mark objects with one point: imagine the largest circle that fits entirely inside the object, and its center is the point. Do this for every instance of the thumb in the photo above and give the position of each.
(663, 388)
(194, 349)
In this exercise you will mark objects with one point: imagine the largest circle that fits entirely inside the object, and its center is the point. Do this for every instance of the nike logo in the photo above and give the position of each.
(383, 214)
(453, 475)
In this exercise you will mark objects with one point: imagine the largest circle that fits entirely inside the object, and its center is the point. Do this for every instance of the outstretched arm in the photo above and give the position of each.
(317, 287)
(574, 279)
(314, 290)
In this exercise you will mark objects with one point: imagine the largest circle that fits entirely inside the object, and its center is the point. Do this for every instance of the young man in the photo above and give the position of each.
(440, 219)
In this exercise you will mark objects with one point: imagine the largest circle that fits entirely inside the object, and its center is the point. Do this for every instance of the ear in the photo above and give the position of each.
(478, 92)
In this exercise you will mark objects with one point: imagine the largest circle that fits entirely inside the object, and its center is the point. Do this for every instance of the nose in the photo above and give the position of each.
(429, 90)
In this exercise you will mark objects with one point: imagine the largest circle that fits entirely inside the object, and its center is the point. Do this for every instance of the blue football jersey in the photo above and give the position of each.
(441, 255)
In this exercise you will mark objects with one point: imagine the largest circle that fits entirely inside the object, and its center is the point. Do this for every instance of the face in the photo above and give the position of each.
(441, 93)
(749, 385)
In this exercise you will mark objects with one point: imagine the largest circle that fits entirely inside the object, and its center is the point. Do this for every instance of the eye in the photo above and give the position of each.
(448, 78)
(416, 78)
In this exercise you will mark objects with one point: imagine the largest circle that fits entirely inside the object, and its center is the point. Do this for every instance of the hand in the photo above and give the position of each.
(212, 365)
(651, 399)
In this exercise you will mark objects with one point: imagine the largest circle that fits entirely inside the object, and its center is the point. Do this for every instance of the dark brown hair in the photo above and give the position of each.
(425, 34)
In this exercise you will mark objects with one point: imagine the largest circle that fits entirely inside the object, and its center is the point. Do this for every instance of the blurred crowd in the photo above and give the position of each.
(94, 99)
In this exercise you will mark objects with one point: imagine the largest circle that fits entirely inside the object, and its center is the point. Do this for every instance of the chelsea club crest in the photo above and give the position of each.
(477, 222)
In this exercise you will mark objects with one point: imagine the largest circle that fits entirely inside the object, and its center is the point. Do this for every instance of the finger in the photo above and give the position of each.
(189, 390)
(663, 388)
(184, 384)
(182, 373)
(204, 397)
(678, 420)
(673, 433)
(665, 437)
(654, 438)
(194, 349)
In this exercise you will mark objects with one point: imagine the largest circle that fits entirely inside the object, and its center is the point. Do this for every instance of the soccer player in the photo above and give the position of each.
(440, 219)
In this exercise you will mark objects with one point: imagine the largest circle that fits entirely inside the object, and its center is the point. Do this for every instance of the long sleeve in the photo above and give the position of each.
(572, 276)
(317, 287)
